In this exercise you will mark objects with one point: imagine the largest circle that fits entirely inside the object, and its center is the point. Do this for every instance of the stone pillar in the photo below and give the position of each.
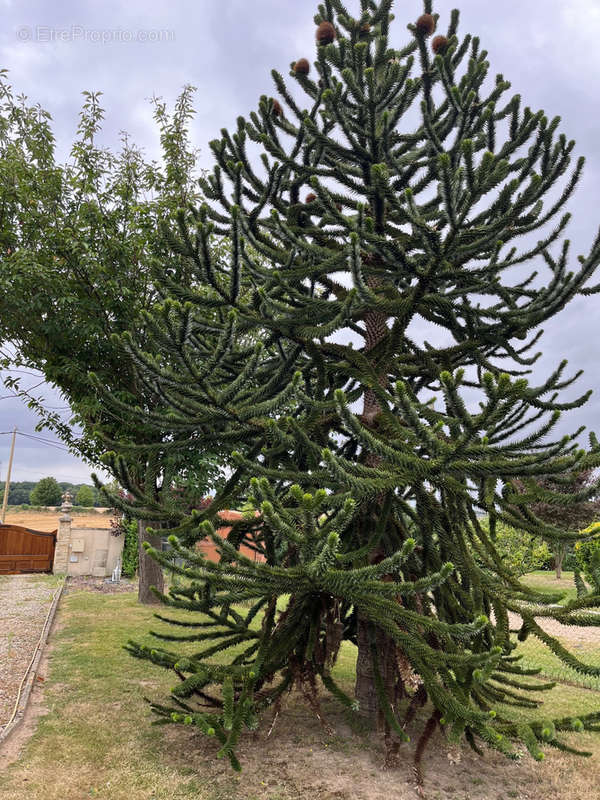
(63, 538)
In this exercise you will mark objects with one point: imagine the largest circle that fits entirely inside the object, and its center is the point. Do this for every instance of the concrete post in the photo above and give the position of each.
(63, 538)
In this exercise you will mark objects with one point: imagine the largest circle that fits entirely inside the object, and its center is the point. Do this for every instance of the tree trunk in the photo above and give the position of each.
(149, 571)
(365, 690)
(559, 557)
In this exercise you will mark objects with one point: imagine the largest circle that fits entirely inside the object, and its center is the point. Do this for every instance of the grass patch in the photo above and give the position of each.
(536, 654)
(39, 579)
(546, 581)
(96, 738)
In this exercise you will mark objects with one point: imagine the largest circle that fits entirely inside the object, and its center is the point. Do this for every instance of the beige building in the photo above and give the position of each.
(84, 550)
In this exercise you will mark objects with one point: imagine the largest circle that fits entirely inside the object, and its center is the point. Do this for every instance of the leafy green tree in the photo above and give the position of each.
(520, 551)
(85, 496)
(77, 248)
(18, 495)
(46, 492)
(396, 190)
(130, 550)
(581, 511)
(128, 529)
(587, 556)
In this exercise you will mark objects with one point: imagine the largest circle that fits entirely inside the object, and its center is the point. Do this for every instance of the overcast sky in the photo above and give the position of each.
(226, 48)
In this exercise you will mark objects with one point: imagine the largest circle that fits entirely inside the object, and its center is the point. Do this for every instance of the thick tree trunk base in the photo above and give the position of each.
(365, 689)
(149, 571)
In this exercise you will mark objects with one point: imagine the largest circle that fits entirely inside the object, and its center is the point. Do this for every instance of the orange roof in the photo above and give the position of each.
(230, 516)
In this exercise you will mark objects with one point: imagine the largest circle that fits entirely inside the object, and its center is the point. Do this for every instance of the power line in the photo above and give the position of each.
(25, 372)
(41, 438)
(22, 391)
(49, 442)
(46, 442)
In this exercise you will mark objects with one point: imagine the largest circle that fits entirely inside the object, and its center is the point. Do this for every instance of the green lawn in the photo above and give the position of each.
(536, 654)
(546, 581)
(97, 739)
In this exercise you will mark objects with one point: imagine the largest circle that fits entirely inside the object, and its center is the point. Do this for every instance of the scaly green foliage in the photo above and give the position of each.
(373, 452)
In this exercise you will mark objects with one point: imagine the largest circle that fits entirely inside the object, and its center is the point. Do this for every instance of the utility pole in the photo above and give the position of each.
(7, 484)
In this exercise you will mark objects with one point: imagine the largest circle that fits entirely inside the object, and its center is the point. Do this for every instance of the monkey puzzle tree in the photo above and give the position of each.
(391, 193)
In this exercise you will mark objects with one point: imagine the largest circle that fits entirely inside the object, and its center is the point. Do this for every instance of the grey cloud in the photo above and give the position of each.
(35, 459)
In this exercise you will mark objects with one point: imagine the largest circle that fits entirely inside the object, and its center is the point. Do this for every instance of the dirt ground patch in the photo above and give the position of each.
(86, 583)
(48, 520)
(298, 761)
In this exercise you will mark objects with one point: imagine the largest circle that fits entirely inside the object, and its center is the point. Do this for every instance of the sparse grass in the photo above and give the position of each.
(545, 580)
(40, 578)
(96, 739)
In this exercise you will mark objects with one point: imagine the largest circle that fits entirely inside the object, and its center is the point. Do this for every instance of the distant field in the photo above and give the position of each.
(48, 520)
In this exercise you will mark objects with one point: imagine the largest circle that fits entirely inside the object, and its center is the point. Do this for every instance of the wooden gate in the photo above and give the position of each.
(24, 550)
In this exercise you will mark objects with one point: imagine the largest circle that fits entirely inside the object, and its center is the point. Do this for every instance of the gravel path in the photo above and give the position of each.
(568, 634)
(24, 603)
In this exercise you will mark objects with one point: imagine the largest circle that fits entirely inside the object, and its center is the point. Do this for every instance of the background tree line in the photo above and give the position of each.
(48, 492)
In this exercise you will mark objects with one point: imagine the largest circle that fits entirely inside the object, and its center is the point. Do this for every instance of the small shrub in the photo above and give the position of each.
(521, 552)
(588, 559)
(130, 549)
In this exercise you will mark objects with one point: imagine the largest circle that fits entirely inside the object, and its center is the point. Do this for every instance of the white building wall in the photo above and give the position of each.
(93, 551)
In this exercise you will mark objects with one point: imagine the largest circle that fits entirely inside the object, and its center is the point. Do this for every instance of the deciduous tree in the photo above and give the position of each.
(77, 244)
(582, 509)
(46, 492)
(85, 496)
